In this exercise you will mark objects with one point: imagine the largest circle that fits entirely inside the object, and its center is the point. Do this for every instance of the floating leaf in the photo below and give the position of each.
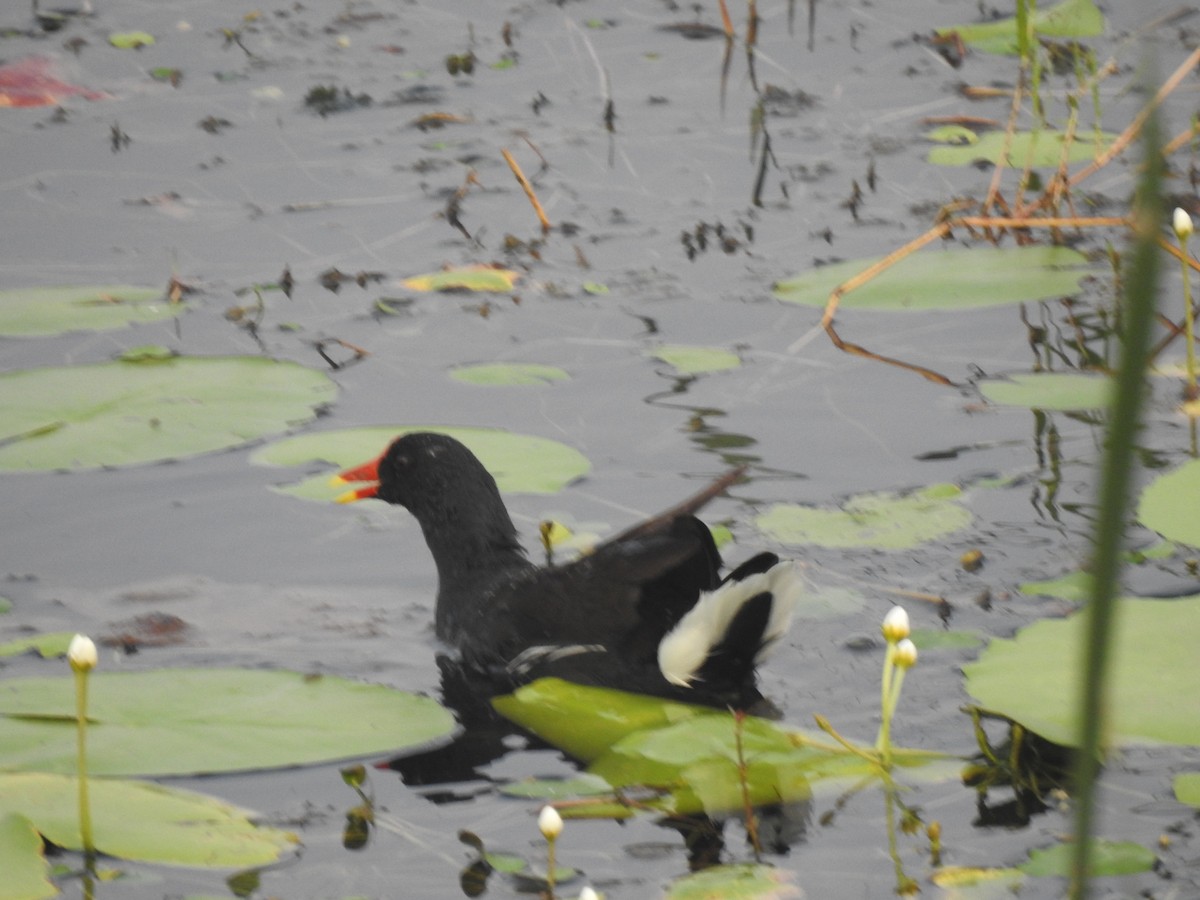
(1046, 147)
(1108, 858)
(520, 463)
(21, 860)
(33, 81)
(145, 822)
(186, 721)
(1051, 391)
(952, 134)
(949, 279)
(884, 521)
(1187, 788)
(45, 645)
(1004, 881)
(692, 360)
(1154, 693)
(469, 278)
(1074, 586)
(742, 881)
(126, 413)
(1069, 19)
(131, 40)
(1168, 505)
(583, 785)
(30, 312)
(633, 740)
(509, 374)
(554, 710)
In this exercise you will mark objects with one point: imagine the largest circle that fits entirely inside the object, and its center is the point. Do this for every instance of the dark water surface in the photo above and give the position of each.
(264, 580)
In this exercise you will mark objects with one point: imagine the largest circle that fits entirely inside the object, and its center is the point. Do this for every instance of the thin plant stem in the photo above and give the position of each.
(1116, 477)
(550, 865)
(1188, 325)
(85, 810)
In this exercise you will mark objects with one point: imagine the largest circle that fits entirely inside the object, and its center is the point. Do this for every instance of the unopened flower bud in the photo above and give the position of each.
(550, 823)
(82, 653)
(906, 654)
(895, 625)
(1183, 224)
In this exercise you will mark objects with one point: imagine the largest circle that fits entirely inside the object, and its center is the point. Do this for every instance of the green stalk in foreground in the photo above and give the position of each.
(1116, 477)
(82, 656)
(1182, 223)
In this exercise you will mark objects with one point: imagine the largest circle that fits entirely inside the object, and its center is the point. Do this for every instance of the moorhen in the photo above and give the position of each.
(645, 611)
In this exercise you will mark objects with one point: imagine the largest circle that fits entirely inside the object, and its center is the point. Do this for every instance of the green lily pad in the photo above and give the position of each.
(1168, 504)
(884, 521)
(554, 710)
(509, 374)
(36, 312)
(743, 881)
(146, 822)
(953, 134)
(187, 721)
(583, 785)
(127, 413)
(694, 360)
(1108, 858)
(633, 740)
(22, 861)
(520, 463)
(485, 279)
(1074, 586)
(1051, 391)
(1069, 19)
(1187, 788)
(1046, 147)
(949, 279)
(45, 645)
(1154, 694)
(131, 40)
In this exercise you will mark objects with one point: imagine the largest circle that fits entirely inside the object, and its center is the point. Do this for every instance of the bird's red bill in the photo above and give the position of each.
(368, 472)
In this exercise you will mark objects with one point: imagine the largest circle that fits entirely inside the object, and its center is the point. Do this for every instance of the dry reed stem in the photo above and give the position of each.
(528, 188)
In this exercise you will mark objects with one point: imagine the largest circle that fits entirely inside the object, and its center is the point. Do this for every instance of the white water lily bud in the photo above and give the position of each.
(588, 894)
(1183, 224)
(895, 625)
(550, 823)
(906, 654)
(82, 653)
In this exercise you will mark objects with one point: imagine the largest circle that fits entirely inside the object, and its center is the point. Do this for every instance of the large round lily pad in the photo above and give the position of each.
(1168, 504)
(187, 721)
(884, 521)
(520, 463)
(128, 412)
(141, 821)
(31, 312)
(951, 279)
(1034, 677)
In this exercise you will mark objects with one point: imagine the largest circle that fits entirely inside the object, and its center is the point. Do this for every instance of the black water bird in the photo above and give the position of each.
(646, 611)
